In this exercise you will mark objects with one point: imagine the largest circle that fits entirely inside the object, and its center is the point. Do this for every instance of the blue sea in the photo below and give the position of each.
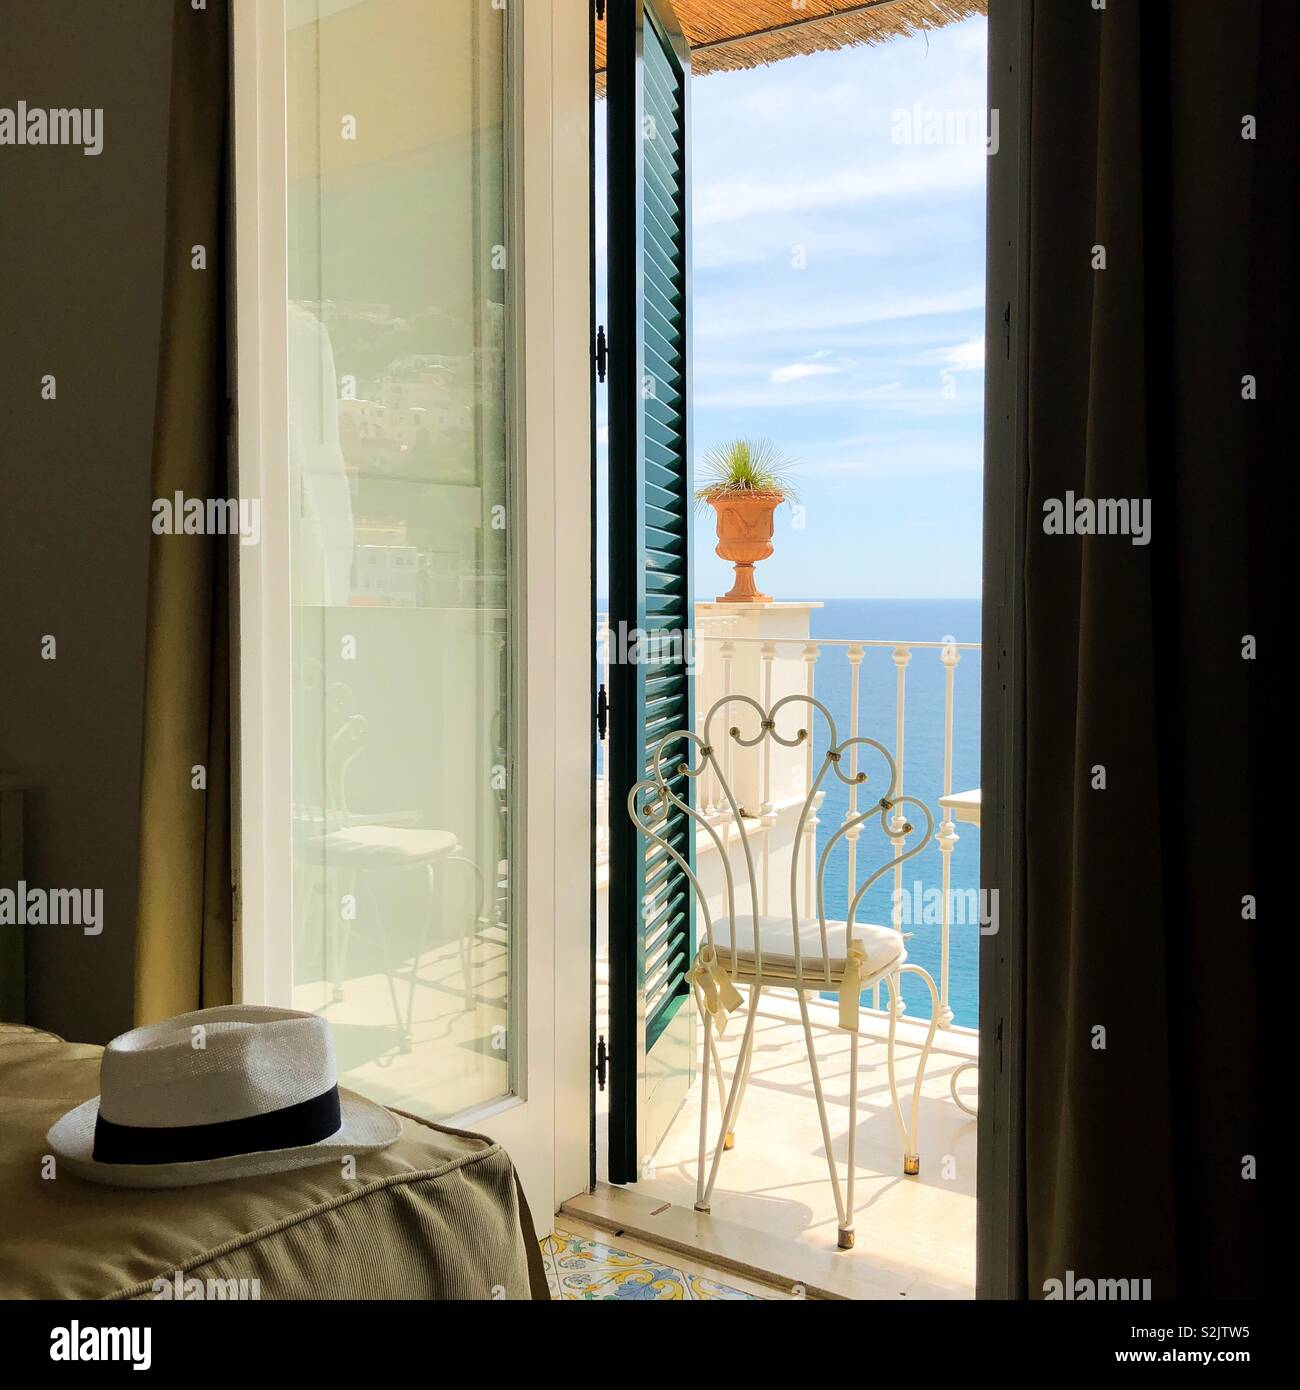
(916, 620)
(906, 620)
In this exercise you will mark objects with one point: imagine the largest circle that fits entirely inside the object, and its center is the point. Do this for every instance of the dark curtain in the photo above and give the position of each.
(183, 949)
(1137, 1141)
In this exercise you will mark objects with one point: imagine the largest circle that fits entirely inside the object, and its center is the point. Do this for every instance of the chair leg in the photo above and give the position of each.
(908, 1130)
(336, 936)
(701, 1202)
(467, 942)
(924, 1058)
(722, 1082)
(335, 949)
(478, 886)
(728, 1140)
(821, 1111)
(846, 1233)
(728, 1114)
(467, 968)
(419, 948)
(742, 1081)
(403, 1033)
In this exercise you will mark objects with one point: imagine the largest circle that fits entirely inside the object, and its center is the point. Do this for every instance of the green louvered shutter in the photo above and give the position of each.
(651, 912)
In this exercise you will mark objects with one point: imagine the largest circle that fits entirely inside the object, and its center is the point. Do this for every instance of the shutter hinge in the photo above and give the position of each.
(602, 352)
(602, 713)
(1006, 328)
(602, 1062)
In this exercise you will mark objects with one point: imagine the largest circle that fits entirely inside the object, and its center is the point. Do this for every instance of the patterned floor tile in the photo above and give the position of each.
(579, 1269)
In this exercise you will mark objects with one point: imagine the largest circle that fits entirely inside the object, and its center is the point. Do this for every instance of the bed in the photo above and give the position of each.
(438, 1215)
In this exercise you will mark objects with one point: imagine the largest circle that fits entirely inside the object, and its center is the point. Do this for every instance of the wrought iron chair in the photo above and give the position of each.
(362, 845)
(794, 949)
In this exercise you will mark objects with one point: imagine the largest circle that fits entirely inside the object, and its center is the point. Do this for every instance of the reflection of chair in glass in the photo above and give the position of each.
(386, 845)
(793, 949)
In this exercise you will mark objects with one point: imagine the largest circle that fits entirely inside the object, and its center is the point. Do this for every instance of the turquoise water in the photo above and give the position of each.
(916, 620)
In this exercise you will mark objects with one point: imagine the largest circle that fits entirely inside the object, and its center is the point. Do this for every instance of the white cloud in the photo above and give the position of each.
(965, 357)
(797, 371)
(744, 315)
(906, 172)
(901, 457)
(809, 135)
(891, 397)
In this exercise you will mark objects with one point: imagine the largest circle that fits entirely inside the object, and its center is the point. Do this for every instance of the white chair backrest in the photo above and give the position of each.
(683, 751)
(321, 802)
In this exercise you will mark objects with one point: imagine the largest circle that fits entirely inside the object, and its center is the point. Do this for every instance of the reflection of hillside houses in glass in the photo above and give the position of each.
(417, 418)
(386, 575)
(428, 421)
(428, 398)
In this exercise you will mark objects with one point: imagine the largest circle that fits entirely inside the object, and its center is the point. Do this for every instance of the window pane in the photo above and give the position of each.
(398, 391)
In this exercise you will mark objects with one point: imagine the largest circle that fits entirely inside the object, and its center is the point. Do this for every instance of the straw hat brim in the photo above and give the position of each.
(366, 1128)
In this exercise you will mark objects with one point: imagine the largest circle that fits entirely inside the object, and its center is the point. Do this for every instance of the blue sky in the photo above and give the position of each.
(838, 301)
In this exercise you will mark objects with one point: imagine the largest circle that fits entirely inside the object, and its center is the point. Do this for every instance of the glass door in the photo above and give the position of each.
(399, 401)
(406, 691)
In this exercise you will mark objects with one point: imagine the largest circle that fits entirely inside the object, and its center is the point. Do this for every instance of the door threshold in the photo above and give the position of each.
(800, 1269)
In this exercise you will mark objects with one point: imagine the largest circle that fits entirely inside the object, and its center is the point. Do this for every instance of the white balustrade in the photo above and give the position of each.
(731, 660)
(716, 653)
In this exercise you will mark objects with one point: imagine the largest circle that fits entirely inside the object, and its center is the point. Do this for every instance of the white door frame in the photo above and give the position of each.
(262, 850)
(545, 1126)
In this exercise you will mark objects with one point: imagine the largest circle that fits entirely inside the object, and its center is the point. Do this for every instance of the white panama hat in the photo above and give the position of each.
(231, 1092)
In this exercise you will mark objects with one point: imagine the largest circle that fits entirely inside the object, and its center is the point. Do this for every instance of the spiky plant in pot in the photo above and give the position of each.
(745, 481)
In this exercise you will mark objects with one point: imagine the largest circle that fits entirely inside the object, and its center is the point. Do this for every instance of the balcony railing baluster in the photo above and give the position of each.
(811, 652)
(950, 656)
(728, 654)
(765, 810)
(855, 655)
(902, 657)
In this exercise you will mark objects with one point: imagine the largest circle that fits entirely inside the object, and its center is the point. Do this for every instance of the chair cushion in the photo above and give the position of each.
(375, 846)
(883, 947)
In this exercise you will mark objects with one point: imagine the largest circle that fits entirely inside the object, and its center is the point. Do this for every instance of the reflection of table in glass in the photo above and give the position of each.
(965, 806)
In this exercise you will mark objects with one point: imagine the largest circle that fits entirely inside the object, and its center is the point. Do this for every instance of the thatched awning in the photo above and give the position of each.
(729, 35)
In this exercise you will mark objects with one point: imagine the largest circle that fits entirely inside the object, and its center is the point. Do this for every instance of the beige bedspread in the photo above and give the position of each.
(439, 1215)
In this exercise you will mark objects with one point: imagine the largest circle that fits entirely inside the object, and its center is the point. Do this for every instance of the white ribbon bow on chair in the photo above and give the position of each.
(720, 995)
(851, 986)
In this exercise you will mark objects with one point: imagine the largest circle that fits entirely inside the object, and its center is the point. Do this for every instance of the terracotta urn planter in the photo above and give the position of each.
(745, 538)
